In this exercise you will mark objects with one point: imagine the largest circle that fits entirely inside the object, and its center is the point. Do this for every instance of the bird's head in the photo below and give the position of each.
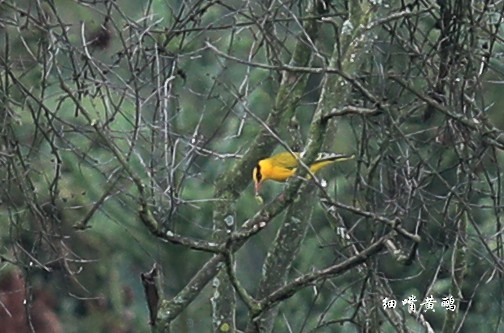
(257, 177)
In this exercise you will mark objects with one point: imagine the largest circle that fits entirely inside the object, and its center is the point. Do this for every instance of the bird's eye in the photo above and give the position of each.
(258, 173)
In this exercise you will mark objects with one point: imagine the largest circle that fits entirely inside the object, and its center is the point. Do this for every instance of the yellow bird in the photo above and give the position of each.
(281, 166)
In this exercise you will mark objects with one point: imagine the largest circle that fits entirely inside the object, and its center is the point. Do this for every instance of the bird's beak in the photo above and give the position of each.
(257, 188)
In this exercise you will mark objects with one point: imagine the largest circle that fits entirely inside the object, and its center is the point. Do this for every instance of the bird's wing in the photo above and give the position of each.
(289, 161)
(284, 160)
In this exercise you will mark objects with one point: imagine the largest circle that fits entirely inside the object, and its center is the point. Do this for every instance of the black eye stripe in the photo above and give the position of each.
(258, 173)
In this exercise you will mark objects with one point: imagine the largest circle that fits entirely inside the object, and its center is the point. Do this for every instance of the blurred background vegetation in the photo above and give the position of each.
(182, 90)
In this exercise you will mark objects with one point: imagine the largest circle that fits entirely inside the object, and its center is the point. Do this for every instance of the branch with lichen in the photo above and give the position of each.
(237, 178)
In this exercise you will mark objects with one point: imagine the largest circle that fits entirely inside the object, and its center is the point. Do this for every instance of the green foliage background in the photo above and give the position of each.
(219, 104)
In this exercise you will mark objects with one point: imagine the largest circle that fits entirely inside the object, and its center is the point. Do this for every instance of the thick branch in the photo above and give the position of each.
(309, 279)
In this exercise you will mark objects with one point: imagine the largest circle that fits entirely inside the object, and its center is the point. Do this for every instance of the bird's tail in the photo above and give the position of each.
(326, 159)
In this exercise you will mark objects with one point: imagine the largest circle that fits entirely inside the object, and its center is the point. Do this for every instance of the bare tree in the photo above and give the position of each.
(144, 120)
